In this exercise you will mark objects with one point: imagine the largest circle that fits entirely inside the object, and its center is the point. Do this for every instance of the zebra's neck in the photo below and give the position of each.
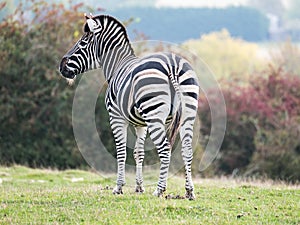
(114, 63)
(115, 49)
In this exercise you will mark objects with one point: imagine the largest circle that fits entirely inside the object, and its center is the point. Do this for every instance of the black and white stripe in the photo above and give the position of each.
(147, 92)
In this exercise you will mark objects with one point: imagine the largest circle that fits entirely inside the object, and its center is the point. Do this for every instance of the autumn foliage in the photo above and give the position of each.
(263, 129)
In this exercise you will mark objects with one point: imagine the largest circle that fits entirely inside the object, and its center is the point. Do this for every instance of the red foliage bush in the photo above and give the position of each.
(262, 124)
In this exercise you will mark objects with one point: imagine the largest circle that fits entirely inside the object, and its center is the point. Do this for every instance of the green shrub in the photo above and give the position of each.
(35, 105)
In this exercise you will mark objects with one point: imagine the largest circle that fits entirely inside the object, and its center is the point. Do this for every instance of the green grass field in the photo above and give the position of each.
(30, 196)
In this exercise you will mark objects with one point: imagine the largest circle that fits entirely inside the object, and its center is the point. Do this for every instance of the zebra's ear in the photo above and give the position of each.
(90, 24)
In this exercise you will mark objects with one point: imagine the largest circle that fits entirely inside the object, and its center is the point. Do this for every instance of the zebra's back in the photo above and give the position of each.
(149, 86)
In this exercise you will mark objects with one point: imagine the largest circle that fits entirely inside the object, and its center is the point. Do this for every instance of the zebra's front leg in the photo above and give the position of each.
(119, 129)
(139, 153)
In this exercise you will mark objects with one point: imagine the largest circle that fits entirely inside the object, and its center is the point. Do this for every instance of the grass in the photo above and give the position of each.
(30, 196)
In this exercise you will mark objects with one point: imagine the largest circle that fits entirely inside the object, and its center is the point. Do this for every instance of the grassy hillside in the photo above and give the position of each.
(77, 197)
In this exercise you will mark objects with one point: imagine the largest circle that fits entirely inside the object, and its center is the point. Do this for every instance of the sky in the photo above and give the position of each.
(198, 3)
(114, 4)
(111, 4)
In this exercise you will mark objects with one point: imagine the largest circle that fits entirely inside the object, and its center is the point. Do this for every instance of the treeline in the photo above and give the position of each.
(181, 24)
(178, 25)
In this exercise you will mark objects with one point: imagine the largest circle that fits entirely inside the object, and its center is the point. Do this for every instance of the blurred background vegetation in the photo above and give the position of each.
(259, 76)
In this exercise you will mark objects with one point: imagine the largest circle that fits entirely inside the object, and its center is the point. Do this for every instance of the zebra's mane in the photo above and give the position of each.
(101, 18)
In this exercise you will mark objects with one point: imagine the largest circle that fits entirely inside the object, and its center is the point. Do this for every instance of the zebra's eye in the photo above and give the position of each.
(83, 43)
(85, 40)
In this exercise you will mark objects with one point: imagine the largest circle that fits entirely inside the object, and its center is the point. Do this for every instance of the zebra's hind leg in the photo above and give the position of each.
(186, 135)
(139, 153)
(119, 129)
(158, 136)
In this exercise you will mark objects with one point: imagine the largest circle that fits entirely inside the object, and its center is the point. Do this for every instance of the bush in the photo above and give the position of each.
(263, 134)
(35, 105)
(287, 57)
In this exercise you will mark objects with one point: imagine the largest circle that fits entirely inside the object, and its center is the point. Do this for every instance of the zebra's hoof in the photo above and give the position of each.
(158, 193)
(118, 190)
(139, 189)
(190, 195)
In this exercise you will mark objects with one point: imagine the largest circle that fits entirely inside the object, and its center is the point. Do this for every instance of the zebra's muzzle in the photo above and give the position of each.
(68, 73)
(64, 70)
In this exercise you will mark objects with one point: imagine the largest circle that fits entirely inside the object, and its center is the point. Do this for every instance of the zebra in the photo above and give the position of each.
(147, 92)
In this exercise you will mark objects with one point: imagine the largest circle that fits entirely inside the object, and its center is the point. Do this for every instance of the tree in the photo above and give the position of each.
(35, 105)
(228, 57)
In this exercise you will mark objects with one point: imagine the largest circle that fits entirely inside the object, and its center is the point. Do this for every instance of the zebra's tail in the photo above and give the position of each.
(176, 120)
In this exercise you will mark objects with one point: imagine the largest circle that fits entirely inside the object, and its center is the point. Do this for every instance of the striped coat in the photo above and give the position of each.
(147, 92)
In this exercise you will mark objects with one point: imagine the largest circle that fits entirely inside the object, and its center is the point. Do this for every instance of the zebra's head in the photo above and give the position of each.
(83, 55)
